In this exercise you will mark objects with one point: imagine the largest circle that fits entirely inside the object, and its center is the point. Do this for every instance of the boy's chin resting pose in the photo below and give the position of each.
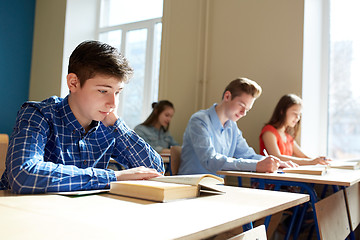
(66, 144)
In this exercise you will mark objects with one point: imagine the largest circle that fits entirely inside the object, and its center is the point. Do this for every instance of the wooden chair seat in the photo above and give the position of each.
(4, 142)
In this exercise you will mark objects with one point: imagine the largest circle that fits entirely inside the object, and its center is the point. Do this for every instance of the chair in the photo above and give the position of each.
(352, 197)
(4, 142)
(332, 217)
(175, 159)
(258, 233)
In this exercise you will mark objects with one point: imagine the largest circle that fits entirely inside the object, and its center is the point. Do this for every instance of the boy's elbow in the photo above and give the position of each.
(20, 184)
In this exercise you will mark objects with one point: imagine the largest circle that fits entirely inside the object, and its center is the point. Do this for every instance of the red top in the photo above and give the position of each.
(286, 148)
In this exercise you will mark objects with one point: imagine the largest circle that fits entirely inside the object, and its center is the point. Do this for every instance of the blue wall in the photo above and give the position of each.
(16, 37)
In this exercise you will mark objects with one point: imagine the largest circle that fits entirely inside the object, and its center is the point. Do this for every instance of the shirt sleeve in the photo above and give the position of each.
(246, 157)
(29, 172)
(132, 151)
(201, 139)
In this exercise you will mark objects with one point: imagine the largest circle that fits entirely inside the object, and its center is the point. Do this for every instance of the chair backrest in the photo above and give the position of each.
(332, 217)
(352, 197)
(175, 159)
(4, 142)
(258, 233)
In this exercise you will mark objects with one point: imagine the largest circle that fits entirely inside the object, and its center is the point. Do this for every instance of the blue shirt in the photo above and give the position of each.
(49, 151)
(209, 147)
(157, 138)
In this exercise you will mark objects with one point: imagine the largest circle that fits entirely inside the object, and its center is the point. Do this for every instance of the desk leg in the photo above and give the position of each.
(247, 226)
(310, 190)
(169, 166)
(239, 181)
(292, 222)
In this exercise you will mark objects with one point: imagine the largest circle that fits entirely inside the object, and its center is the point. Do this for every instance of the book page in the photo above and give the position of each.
(194, 179)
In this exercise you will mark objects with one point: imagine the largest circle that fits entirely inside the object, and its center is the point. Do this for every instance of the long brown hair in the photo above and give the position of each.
(158, 108)
(279, 115)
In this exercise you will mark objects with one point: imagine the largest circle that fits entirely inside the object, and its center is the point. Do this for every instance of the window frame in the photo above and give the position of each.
(315, 84)
(151, 81)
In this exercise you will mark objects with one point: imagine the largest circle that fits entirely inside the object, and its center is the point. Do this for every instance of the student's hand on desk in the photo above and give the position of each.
(271, 164)
(321, 160)
(138, 173)
(110, 119)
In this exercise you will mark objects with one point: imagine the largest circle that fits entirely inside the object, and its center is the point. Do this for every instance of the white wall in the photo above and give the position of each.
(220, 40)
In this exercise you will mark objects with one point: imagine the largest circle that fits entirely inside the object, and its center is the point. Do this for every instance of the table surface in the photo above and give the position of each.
(105, 216)
(339, 177)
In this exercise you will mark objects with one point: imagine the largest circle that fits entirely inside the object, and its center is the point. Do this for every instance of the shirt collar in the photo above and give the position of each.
(70, 120)
(215, 119)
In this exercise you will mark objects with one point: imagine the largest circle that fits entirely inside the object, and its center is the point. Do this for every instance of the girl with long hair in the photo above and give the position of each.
(278, 135)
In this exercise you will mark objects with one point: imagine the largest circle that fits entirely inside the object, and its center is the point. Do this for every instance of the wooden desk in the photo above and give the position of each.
(106, 216)
(336, 177)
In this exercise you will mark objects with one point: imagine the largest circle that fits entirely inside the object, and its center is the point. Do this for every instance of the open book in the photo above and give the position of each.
(308, 169)
(167, 188)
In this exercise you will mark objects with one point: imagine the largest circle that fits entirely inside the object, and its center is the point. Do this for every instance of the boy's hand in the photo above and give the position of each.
(138, 173)
(110, 119)
(271, 164)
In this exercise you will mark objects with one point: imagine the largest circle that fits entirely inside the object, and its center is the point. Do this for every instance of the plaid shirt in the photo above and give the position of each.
(49, 151)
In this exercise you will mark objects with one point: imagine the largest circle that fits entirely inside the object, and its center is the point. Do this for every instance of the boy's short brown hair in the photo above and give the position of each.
(93, 57)
(243, 85)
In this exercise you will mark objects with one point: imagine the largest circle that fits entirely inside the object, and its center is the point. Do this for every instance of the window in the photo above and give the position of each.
(331, 79)
(344, 80)
(134, 27)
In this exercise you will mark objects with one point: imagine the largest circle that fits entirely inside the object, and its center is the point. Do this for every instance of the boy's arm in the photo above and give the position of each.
(133, 151)
(29, 172)
(201, 140)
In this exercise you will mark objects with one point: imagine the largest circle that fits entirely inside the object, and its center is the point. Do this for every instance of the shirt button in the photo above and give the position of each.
(73, 131)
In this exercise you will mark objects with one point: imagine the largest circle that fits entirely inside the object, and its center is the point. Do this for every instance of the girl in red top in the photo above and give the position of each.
(278, 135)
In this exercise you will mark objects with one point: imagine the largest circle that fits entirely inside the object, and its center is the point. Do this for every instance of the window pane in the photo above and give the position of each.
(113, 38)
(115, 12)
(134, 91)
(344, 82)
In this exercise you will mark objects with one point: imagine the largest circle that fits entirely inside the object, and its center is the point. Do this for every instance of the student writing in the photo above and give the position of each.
(212, 141)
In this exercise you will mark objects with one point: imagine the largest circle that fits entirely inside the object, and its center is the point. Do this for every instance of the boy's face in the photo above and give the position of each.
(238, 107)
(95, 99)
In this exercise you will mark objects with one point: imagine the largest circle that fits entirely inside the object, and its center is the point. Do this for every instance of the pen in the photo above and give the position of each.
(265, 153)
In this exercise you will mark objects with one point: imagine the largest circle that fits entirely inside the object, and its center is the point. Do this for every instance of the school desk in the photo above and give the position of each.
(335, 177)
(106, 216)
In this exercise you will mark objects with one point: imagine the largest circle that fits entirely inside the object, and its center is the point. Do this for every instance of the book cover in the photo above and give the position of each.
(308, 169)
(167, 188)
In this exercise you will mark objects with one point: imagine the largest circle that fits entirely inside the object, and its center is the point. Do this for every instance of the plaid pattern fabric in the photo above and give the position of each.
(49, 151)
